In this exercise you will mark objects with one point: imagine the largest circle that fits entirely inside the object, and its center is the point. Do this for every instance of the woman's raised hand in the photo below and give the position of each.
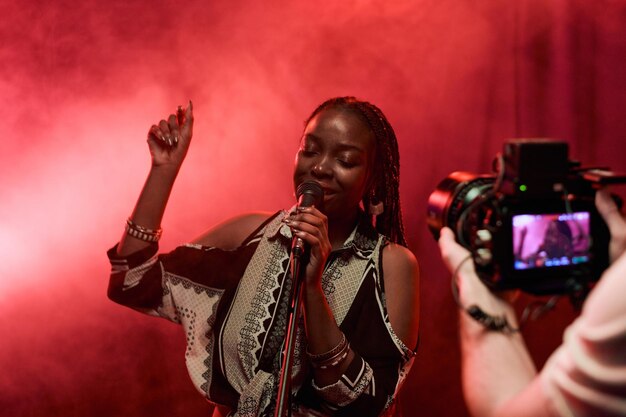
(169, 140)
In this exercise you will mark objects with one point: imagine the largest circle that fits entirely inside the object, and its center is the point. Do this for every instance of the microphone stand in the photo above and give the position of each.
(283, 399)
(310, 193)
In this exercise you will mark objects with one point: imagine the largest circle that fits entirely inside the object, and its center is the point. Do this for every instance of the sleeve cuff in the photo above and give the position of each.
(357, 380)
(132, 260)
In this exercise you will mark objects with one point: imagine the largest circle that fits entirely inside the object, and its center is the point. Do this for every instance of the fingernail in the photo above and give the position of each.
(286, 221)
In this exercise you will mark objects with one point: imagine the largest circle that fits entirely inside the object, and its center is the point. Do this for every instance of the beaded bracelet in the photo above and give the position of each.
(142, 233)
(493, 323)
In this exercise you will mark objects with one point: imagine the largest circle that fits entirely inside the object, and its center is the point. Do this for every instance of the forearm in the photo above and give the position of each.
(322, 333)
(150, 207)
(496, 366)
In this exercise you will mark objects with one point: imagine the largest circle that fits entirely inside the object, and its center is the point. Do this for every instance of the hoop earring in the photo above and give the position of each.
(376, 207)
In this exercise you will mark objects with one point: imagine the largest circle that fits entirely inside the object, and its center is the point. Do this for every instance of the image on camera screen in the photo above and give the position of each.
(551, 240)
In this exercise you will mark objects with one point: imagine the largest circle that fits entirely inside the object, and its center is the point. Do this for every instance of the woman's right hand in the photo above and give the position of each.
(169, 140)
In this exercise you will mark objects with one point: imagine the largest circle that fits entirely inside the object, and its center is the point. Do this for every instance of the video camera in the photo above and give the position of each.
(533, 225)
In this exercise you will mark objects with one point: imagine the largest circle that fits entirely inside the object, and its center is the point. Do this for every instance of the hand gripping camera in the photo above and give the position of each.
(532, 225)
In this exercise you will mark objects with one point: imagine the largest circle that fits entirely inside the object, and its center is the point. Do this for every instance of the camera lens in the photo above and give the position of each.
(454, 194)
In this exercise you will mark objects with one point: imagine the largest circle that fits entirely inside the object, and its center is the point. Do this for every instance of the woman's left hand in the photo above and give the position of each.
(311, 225)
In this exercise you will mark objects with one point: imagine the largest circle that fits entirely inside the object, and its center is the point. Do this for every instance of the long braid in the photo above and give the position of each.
(386, 174)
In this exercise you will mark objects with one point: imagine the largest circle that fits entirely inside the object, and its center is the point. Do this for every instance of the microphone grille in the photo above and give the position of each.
(313, 190)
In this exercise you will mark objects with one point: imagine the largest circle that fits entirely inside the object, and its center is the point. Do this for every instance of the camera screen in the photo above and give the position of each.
(551, 240)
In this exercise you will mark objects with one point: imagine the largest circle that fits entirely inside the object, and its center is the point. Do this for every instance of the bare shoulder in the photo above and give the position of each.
(401, 276)
(231, 233)
(398, 260)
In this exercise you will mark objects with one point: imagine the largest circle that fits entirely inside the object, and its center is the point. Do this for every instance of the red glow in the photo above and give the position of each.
(81, 83)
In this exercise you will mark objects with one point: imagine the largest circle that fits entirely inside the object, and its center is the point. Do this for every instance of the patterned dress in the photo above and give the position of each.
(233, 307)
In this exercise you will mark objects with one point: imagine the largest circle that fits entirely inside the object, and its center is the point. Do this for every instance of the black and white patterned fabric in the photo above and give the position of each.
(233, 307)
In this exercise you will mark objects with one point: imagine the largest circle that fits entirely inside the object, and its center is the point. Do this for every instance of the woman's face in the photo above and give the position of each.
(554, 241)
(337, 151)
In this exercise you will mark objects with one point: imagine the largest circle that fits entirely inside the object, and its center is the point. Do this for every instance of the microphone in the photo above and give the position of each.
(309, 193)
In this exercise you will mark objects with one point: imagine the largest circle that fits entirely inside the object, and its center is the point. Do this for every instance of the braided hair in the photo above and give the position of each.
(385, 183)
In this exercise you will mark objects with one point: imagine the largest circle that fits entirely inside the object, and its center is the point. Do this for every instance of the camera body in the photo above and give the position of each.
(532, 225)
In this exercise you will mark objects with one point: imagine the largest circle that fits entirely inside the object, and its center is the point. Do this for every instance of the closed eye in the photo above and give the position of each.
(307, 152)
(346, 164)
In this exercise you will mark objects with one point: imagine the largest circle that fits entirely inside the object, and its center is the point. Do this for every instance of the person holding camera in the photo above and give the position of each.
(585, 376)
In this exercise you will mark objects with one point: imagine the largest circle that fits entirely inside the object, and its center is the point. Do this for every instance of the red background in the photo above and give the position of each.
(81, 82)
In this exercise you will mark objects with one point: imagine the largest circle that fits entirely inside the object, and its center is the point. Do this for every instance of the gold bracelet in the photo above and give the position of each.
(331, 358)
(323, 356)
(332, 362)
